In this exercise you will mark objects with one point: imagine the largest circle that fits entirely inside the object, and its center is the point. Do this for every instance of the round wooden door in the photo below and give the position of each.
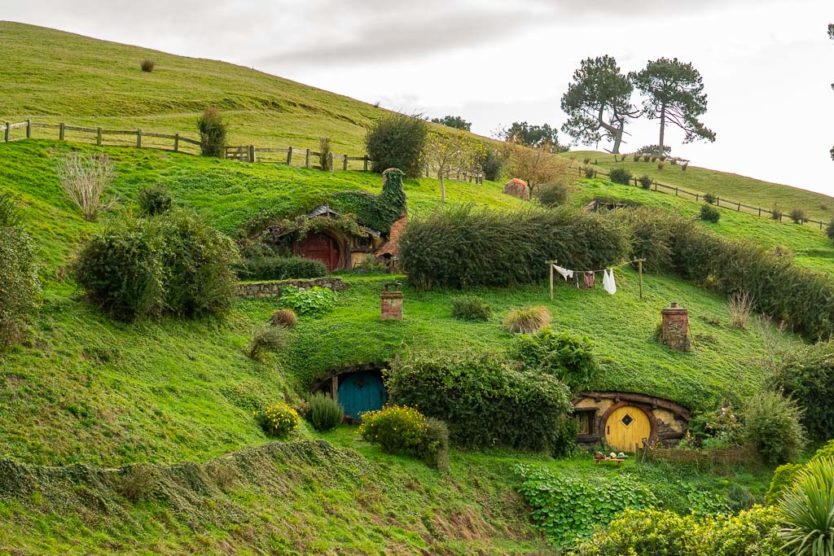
(320, 247)
(626, 428)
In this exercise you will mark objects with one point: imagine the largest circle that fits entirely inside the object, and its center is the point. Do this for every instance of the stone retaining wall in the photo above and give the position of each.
(252, 290)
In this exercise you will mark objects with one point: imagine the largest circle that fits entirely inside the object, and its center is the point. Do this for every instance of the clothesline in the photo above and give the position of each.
(618, 265)
(607, 271)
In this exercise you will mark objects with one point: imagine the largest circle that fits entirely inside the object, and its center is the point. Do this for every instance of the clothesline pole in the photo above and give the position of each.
(550, 267)
(640, 271)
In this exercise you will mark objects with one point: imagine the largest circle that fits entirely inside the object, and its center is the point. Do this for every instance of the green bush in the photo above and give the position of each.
(552, 195)
(590, 173)
(325, 154)
(754, 532)
(776, 213)
(563, 355)
(799, 216)
(492, 164)
(313, 302)
(278, 419)
(172, 264)
(772, 425)
(397, 141)
(19, 284)
(270, 338)
(808, 510)
(709, 213)
(274, 267)
(285, 318)
(806, 375)
(470, 307)
(620, 175)
(485, 403)
(462, 247)
(567, 509)
(783, 478)
(404, 430)
(212, 132)
(324, 413)
(147, 65)
(709, 198)
(645, 182)
(527, 320)
(154, 200)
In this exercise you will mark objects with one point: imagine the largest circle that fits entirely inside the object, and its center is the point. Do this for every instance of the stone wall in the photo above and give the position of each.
(252, 290)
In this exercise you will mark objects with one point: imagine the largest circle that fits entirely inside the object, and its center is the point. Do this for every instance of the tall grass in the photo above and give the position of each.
(86, 178)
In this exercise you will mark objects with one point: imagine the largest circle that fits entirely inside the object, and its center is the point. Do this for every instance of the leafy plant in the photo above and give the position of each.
(324, 412)
(9, 213)
(396, 141)
(553, 194)
(404, 430)
(566, 356)
(808, 511)
(86, 179)
(154, 200)
(527, 320)
(269, 338)
(212, 132)
(620, 175)
(645, 182)
(492, 164)
(470, 307)
(278, 419)
(806, 375)
(312, 302)
(275, 267)
(782, 480)
(799, 216)
(709, 213)
(147, 65)
(772, 425)
(709, 198)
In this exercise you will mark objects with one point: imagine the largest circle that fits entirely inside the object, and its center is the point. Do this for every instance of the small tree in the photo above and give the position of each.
(535, 165)
(325, 160)
(445, 153)
(397, 141)
(530, 135)
(456, 122)
(212, 132)
(85, 178)
(491, 162)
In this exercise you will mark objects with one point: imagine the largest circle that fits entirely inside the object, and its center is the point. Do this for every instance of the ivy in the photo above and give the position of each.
(377, 212)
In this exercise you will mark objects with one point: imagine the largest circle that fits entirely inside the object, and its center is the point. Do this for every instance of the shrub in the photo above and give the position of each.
(470, 307)
(740, 306)
(808, 510)
(645, 182)
(709, 213)
(278, 419)
(660, 165)
(212, 132)
(325, 154)
(776, 213)
(590, 173)
(312, 302)
(19, 285)
(655, 150)
(147, 65)
(527, 319)
(461, 247)
(799, 216)
(620, 175)
(709, 198)
(270, 338)
(274, 267)
(780, 483)
(829, 230)
(553, 194)
(568, 509)
(486, 403)
(173, 264)
(404, 430)
(325, 413)
(807, 376)
(397, 141)
(285, 318)
(563, 355)
(154, 200)
(86, 179)
(772, 425)
(492, 164)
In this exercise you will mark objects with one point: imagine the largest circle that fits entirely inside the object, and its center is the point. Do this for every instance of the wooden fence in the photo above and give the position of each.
(699, 197)
(701, 458)
(295, 156)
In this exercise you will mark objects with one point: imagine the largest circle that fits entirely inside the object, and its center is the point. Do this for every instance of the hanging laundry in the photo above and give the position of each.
(564, 272)
(608, 281)
(588, 280)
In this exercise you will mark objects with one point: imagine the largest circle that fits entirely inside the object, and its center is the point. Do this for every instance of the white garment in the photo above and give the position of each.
(563, 271)
(608, 281)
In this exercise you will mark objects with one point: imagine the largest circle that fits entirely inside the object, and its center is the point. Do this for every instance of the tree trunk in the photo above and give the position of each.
(662, 127)
(442, 187)
(618, 138)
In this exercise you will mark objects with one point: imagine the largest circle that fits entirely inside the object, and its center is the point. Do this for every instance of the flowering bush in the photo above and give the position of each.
(404, 430)
(279, 419)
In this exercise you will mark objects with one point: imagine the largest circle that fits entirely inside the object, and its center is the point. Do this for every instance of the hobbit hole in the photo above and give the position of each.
(357, 389)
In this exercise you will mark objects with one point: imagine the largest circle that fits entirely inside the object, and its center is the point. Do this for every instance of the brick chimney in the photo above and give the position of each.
(391, 301)
(674, 328)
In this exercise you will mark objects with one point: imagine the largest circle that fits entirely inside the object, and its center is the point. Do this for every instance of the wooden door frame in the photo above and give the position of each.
(647, 409)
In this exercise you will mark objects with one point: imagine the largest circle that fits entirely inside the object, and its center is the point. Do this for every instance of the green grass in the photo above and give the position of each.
(727, 185)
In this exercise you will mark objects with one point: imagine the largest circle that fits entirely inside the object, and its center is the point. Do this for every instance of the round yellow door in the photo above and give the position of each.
(626, 428)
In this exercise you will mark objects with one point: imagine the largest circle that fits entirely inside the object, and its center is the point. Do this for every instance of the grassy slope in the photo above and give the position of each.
(723, 184)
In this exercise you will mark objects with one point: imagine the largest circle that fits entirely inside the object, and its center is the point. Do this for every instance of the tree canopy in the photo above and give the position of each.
(598, 102)
(456, 122)
(674, 93)
(531, 135)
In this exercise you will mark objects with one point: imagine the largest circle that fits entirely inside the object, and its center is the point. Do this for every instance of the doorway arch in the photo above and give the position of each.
(627, 427)
(322, 247)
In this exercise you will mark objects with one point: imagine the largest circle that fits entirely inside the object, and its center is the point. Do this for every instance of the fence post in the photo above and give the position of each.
(61, 131)
(289, 156)
(365, 160)
(177, 142)
(98, 136)
(307, 158)
(28, 129)
(760, 212)
(676, 192)
(138, 138)
(251, 153)
(330, 160)
(344, 162)
(6, 133)
(696, 197)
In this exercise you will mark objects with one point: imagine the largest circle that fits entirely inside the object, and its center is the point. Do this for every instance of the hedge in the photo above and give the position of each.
(280, 268)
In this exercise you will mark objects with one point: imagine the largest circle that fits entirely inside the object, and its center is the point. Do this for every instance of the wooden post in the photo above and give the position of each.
(334, 388)
(365, 160)
(98, 136)
(550, 271)
(307, 158)
(330, 160)
(251, 153)
(676, 192)
(28, 129)
(138, 138)
(640, 272)
(696, 197)
(6, 133)
(739, 207)
(344, 162)
(177, 142)
(61, 131)
(289, 156)
(760, 211)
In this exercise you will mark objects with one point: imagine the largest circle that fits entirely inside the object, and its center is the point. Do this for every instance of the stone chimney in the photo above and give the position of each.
(674, 328)
(391, 301)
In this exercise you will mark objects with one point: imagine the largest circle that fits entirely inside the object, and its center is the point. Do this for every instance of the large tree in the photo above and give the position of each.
(531, 135)
(674, 94)
(456, 122)
(598, 102)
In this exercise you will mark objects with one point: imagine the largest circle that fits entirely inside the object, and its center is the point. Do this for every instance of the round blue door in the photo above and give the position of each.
(360, 392)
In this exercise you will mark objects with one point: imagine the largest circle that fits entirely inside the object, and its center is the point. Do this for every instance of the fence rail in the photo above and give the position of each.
(698, 197)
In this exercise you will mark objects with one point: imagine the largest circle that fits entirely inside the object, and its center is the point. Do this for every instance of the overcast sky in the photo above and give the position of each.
(767, 64)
